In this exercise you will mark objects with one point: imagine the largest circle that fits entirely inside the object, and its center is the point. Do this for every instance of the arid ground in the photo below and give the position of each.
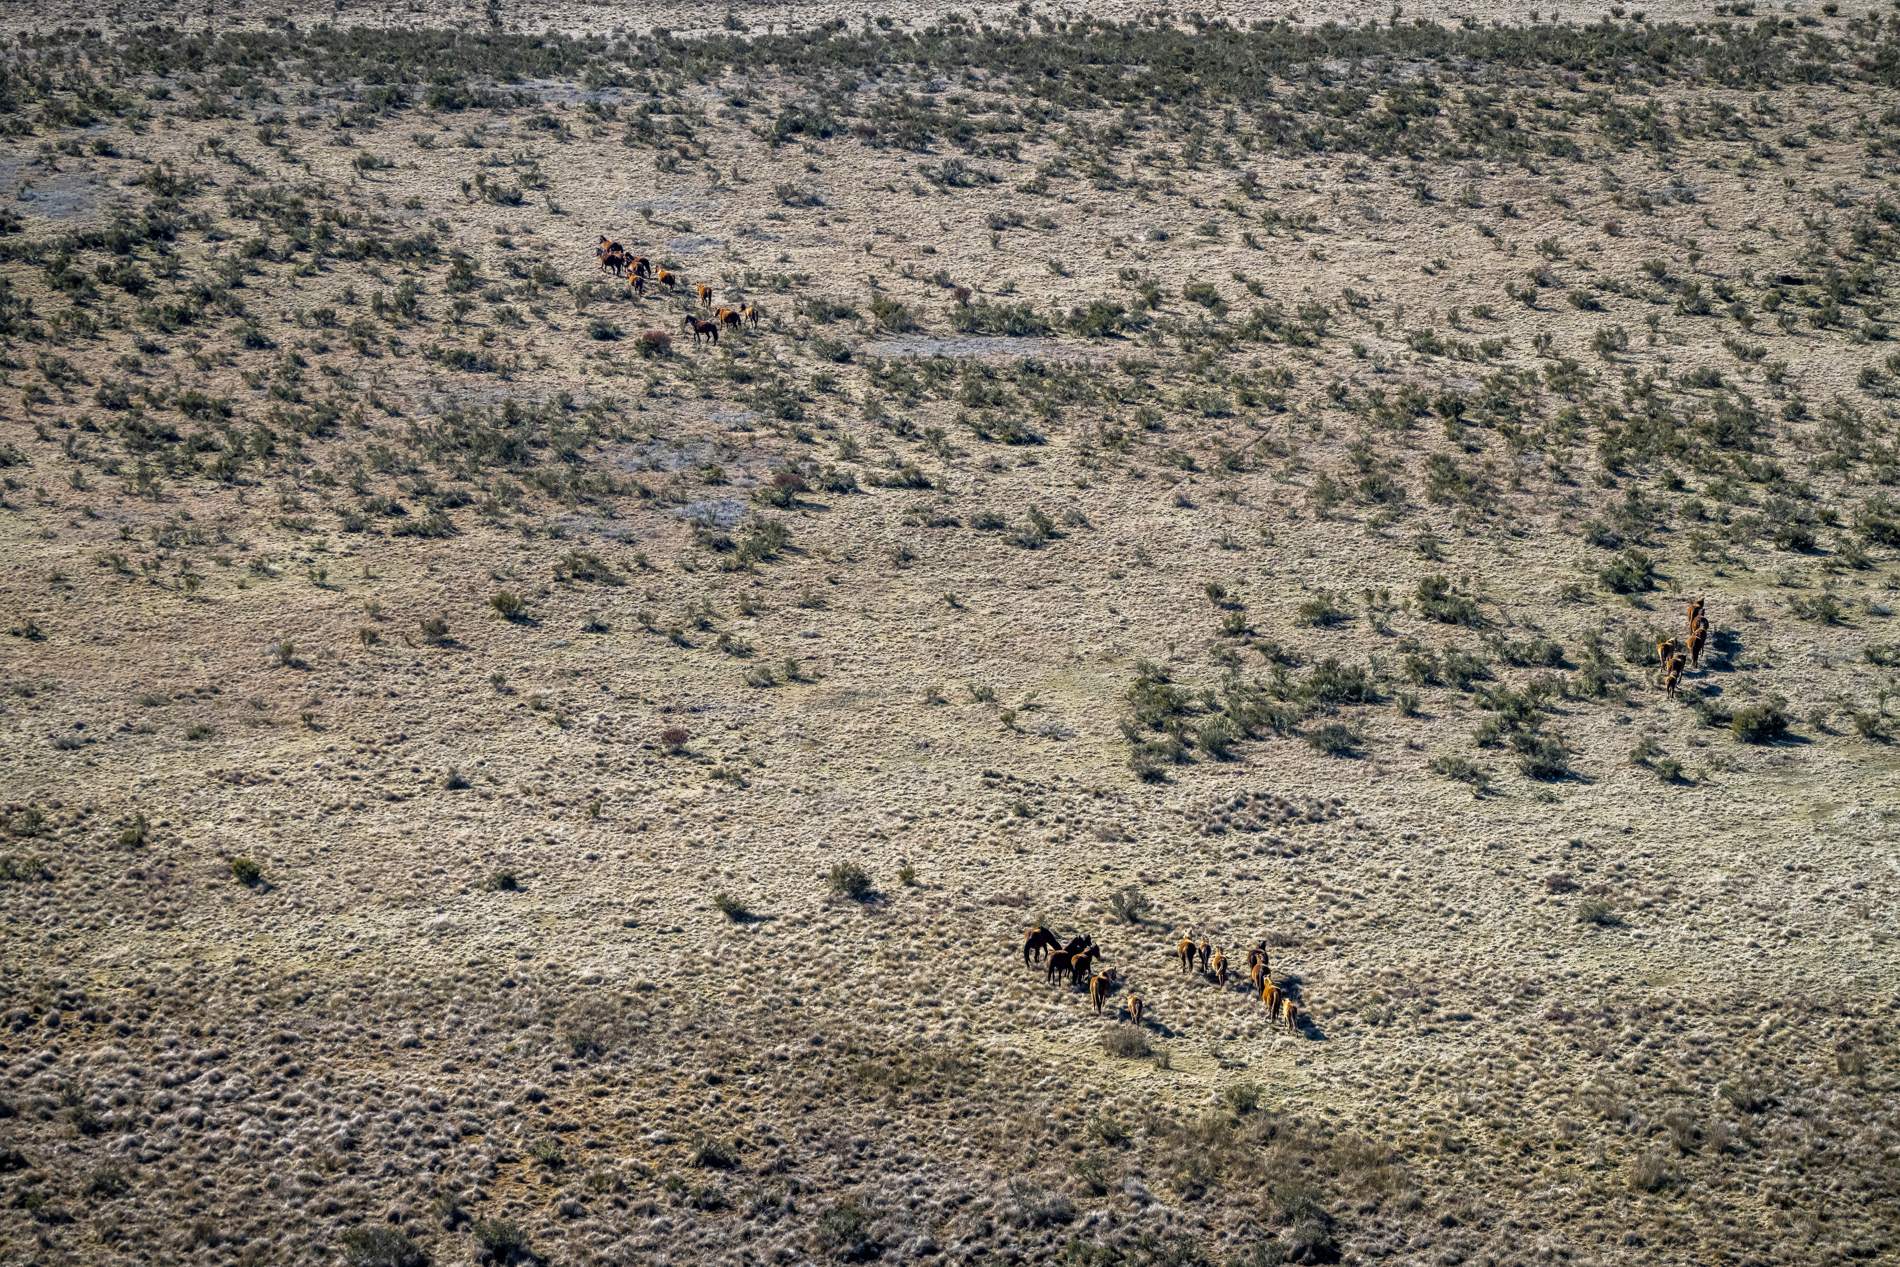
(486, 777)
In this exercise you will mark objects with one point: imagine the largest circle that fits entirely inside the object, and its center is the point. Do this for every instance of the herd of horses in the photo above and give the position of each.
(1076, 959)
(1672, 655)
(640, 272)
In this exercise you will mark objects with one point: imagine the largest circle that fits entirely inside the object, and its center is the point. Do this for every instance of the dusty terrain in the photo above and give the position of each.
(490, 780)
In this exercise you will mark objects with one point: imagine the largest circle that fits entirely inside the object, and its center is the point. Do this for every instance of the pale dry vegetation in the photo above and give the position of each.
(492, 779)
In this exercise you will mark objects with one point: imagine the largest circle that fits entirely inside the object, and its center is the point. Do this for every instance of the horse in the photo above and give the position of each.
(1062, 961)
(1080, 965)
(1291, 1011)
(1206, 948)
(751, 314)
(1697, 641)
(701, 329)
(1038, 942)
(1135, 1008)
(1184, 951)
(666, 280)
(1100, 986)
(705, 294)
(1220, 968)
(727, 317)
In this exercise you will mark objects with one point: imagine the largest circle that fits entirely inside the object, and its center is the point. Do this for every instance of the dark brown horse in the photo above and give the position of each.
(701, 329)
(1038, 942)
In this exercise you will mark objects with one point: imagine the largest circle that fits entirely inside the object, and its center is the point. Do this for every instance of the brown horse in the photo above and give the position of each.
(636, 283)
(1206, 949)
(705, 294)
(1077, 943)
(1066, 961)
(1695, 613)
(1082, 965)
(1270, 995)
(666, 280)
(641, 265)
(1101, 985)
(1666, 651)
(1697, 641)
(1184, 951)
(1291, 1011)
(1135, 1008)
(727, 317)
(751, 314)
(1672, 674)
(1220, 968)
(701, 329)
(1038, 942)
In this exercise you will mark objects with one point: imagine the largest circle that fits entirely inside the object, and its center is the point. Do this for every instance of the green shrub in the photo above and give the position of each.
(1631, 572)
(1441, 602)
(848, 879)
(1334, 739)
(502, 1240)
(1597, 912)
(247, 872)
(1760, 723)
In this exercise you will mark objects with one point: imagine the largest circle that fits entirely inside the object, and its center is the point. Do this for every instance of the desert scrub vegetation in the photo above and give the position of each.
(1015, 547)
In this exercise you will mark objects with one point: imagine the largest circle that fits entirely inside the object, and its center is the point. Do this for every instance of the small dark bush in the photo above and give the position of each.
(1334, 739)
(1631, 572)
(1760, 723)
(848, 879)
(379, 1245)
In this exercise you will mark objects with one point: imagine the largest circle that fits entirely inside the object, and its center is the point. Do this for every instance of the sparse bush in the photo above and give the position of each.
(1439, 600)
(509, 605)
(1128, 904)
(848, 879)
(1631, 572)
(247, 872)
(500, 1241)
(1129, 1042)
(380, 1245)
(731, 907)
(1542, 756)
(1763, 722)
(1462, 770)
(1334, 739)
(713, 1154)
(844, 1232)
(1597, 912)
